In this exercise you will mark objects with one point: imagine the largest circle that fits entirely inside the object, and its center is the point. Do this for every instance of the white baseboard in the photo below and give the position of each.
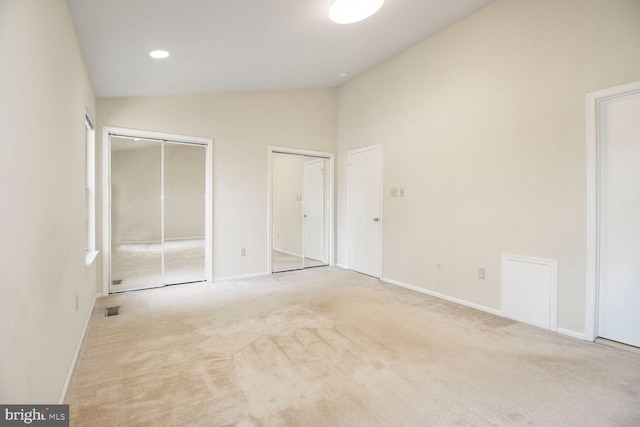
(143, 242)
(444, 297)
(157, 242)
(78, 348)
(175, 239)
(243, 276)
(573, 334)
(567, 332)
(287, 252)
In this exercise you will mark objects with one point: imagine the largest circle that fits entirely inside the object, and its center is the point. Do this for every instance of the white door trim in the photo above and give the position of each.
(330, 156)
(349, 153)
(593, 100)
(107, 131)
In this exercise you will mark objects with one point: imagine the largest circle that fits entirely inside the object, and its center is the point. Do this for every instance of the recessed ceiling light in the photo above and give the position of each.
(159, 54)
(350, 11)
(344, 75)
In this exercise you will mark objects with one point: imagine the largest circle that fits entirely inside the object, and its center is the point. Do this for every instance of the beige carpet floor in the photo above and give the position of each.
(329, 347)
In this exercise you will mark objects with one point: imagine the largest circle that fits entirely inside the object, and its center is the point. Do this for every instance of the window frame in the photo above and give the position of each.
(89, 191)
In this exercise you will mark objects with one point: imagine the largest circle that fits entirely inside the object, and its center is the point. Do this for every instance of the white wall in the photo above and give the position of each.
(242, 126)
(483, 124)
(44, 92)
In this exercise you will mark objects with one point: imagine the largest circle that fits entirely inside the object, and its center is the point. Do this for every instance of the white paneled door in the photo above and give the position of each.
(365, 210)
(619, 281)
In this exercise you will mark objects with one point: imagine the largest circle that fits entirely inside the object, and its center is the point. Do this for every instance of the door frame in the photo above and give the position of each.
(381, 192)
(330, 156)
(107, 132)
(593, 100)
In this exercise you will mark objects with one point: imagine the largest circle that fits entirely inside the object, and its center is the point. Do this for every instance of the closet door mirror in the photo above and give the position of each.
(315, 211)
(184, 213)
(158, 212)
(300, 211)
(136, 213)
(287, 174)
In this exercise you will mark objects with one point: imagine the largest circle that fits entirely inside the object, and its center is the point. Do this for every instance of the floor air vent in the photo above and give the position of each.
(116, 282)
(112, 311)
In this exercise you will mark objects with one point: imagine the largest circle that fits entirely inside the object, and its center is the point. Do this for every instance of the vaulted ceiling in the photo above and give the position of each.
(242, 45)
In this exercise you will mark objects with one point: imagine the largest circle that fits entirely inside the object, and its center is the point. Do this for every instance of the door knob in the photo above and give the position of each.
(376, 219)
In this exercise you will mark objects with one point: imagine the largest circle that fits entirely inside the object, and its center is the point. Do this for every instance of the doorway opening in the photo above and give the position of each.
(156, 209)
(300, 208)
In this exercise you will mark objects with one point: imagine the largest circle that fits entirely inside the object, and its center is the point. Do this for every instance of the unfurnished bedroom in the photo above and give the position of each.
(320, 213)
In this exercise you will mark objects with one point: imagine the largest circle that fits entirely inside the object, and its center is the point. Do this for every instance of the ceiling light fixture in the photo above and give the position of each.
(350, 11)
(159, 54)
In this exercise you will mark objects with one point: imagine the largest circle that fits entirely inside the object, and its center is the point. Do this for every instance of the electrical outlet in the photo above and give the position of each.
(481, 273)
(394, 192)
(438, 266)
(401, 192)
(243, 252)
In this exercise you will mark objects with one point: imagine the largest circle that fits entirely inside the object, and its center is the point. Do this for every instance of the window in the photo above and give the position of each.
(89, 191)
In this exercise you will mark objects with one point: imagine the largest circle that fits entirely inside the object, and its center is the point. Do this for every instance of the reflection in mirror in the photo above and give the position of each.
(287, 171)
(299, 209)
(157, 240)
(136, 215)
(184, 213)
(315, 212)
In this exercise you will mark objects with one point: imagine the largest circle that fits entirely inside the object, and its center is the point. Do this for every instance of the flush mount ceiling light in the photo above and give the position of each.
(350, 11)
(159, 54)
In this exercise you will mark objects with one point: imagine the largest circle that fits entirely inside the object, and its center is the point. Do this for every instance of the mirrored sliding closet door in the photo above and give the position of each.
(157, 213)
(300, 211)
